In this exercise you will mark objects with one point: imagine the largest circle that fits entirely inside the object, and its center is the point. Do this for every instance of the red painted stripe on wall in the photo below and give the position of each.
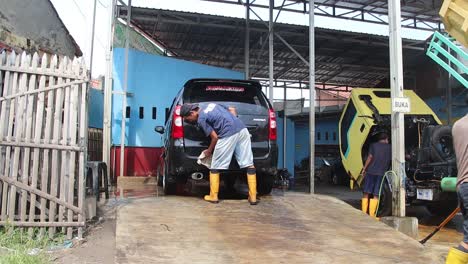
(139, 161)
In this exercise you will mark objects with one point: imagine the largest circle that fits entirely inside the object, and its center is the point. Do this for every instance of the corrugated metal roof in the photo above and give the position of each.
(342, 58)
(421, 14)
(420, 10)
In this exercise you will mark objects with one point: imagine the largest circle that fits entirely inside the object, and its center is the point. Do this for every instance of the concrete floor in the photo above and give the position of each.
(449, 236)
(284, 228)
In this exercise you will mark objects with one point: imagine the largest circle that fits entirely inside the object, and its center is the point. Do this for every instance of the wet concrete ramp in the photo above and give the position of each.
(294, 228)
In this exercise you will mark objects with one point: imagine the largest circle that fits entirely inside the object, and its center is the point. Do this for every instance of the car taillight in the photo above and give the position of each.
(272, 125)
(177, 124)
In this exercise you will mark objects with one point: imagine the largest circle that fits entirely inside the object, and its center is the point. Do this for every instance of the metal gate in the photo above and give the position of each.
(43, 141)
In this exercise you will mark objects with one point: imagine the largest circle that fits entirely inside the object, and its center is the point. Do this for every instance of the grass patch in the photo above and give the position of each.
(24, 258)
(16, 246)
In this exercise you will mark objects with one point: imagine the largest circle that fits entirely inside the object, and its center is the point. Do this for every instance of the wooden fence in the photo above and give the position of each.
(43, 141)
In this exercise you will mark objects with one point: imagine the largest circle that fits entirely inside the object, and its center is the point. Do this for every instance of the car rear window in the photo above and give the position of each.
(245, 97)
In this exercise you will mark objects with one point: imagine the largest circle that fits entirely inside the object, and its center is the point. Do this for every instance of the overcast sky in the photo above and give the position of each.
(77, 16)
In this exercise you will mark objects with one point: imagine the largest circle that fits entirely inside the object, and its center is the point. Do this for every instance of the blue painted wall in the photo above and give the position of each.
(302, 142)
(95, 108)
(439, 105)
(154, 81)
(290, 141)
(297, 141)
(323, 126)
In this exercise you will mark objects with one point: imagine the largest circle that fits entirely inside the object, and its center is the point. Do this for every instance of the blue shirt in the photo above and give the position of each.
(217, 118)
(381, 158)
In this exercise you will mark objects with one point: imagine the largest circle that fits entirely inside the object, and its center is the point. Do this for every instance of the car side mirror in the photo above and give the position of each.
(159, 129)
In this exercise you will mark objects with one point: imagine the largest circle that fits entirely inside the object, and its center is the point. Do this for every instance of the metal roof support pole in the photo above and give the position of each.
(449, 93)
(107, 131)
(247, 40)
(91, 47)
(270, 50)
(284, 126)
(281, 38)
(311, 94)
(398, 125)
(449, 100)
(302, 97)
(125, 87)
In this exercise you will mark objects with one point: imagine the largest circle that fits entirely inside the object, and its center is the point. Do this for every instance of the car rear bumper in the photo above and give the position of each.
(182, 165)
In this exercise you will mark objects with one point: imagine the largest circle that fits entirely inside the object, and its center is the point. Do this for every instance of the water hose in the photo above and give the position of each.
(448, 184)
(380, 189)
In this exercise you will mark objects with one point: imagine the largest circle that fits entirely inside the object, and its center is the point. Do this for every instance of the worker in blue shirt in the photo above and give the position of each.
(228, 136)
(377, 163)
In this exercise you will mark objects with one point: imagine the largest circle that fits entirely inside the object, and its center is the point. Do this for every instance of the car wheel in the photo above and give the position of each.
(159, 177)
(335, 180)
(169, 188)
(385, 203)
(265, 184)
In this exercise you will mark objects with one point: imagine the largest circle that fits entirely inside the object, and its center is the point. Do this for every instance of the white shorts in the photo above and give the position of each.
(238, 144)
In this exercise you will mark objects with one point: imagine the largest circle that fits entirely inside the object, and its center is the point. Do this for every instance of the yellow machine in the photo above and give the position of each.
(446, 48)
(428, 146)
(454, 15)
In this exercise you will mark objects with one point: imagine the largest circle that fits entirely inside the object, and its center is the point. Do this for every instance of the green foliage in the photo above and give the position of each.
(23, 258)
(16, 246)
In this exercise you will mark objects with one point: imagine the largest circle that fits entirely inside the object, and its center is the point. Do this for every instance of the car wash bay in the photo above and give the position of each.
(294, 228)
(286, 225)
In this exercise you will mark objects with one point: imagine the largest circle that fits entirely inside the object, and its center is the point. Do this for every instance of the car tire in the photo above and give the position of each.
(442, 144)
(169, 188)
(335, 179)
(265, 184)
(159, 178)
(385, 203)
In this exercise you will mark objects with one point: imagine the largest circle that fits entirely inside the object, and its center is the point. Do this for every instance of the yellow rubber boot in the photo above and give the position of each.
(373, 207)
(365, 205)
(214, 188)
(456, 256)
(252, 183)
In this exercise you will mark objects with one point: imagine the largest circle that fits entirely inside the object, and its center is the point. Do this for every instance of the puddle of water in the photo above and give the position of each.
(449, 235)
(197, 191)
(140, 192)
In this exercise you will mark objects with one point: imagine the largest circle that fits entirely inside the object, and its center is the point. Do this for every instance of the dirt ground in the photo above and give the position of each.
(98, 246)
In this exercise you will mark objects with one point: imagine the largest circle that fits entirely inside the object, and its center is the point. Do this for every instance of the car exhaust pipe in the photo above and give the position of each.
(197, 176)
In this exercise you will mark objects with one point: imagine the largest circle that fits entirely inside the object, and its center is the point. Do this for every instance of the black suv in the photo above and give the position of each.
(184, 142)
